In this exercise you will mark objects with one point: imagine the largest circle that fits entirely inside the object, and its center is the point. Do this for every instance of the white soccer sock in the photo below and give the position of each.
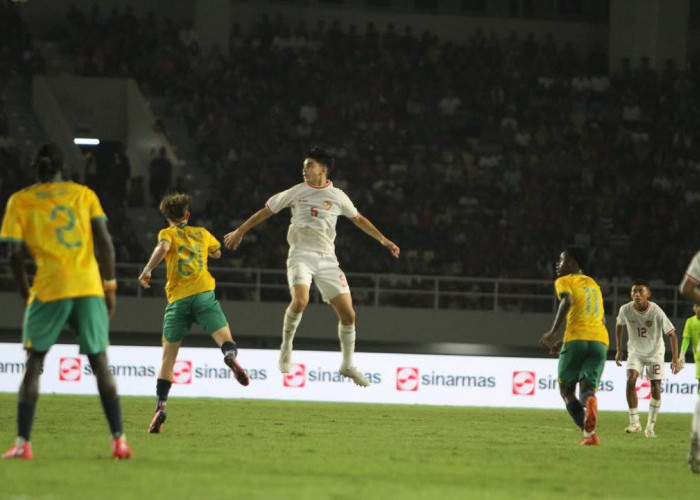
(634, 416)
(289, 327)
(696, 418)
(346, 334)
(654, 407)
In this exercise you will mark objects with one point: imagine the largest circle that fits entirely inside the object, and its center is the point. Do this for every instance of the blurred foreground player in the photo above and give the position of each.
(689, 289)
(55, 223)
(583, 350)
(190, 292)
(691, 338)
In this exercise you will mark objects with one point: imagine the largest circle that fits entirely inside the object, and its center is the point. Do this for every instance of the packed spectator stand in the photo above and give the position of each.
(480, 158)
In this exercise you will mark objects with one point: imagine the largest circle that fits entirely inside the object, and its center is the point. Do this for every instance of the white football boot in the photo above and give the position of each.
(355, 375)
(632, 428)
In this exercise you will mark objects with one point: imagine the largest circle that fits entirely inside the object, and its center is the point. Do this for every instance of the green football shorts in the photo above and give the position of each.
(582, 360)
(86, 316)
(201, 308)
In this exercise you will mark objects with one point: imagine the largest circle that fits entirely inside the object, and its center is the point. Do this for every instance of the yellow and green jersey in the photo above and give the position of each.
(54, 221)
(691, 333)
(585, 319)
(186, 261)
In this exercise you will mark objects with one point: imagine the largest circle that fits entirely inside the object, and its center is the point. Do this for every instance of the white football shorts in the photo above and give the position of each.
(303, 267)
(654, 365)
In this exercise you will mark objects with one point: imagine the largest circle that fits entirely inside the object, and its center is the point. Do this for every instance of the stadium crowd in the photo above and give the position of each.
(476, 157)
(21, 58)
(16, 58)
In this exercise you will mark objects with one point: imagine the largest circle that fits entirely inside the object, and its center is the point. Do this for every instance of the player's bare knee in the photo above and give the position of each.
(567, 393)
(220, 336)
(656, 389)
(29, 388)
(346, 317)
(34, 366)
(298, 304)
(105, 382)
(35, 363)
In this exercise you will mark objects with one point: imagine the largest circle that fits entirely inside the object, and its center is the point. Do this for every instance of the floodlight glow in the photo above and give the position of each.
(86, 141)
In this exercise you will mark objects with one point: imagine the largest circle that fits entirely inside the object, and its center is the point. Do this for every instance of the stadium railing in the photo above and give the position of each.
(381, 290)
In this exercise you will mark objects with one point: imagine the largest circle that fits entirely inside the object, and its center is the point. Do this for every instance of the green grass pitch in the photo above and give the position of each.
(250, 449)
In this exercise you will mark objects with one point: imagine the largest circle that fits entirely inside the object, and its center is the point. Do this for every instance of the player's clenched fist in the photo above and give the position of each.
(233, 239)
(393, 247)
(145, 278)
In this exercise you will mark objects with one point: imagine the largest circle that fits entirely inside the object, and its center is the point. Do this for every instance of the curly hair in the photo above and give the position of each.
(579, 255)
(174, 206)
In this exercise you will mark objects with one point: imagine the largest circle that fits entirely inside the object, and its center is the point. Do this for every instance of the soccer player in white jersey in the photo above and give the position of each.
(315, 205)
(689, 289)
(646, 325)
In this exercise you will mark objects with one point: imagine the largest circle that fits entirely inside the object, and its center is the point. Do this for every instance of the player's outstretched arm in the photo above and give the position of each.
(156, 257)
(234, 238)
(366, 225)
(18, 252)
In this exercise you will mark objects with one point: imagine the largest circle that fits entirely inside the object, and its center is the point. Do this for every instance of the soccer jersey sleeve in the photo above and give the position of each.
(11, 222)
(164, 234)
(621, 316)
(94, 205)
(212, 243)
(562, 286)
(281, 200)
(666, 325)
(347, 207)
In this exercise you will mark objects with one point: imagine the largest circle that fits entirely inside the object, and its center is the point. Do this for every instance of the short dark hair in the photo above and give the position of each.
(578, 254)
(174, 205)
(48, 160)
(641, 283)
(322, 156)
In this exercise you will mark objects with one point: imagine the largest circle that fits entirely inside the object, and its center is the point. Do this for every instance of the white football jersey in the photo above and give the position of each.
(693, 271)
(645, 330)
(315, 211)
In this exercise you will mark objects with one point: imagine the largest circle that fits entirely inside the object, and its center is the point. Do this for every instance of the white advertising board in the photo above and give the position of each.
(396, 378)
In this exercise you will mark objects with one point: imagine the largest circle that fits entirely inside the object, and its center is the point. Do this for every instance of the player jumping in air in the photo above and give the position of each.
(315, 205)
(190, 292)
